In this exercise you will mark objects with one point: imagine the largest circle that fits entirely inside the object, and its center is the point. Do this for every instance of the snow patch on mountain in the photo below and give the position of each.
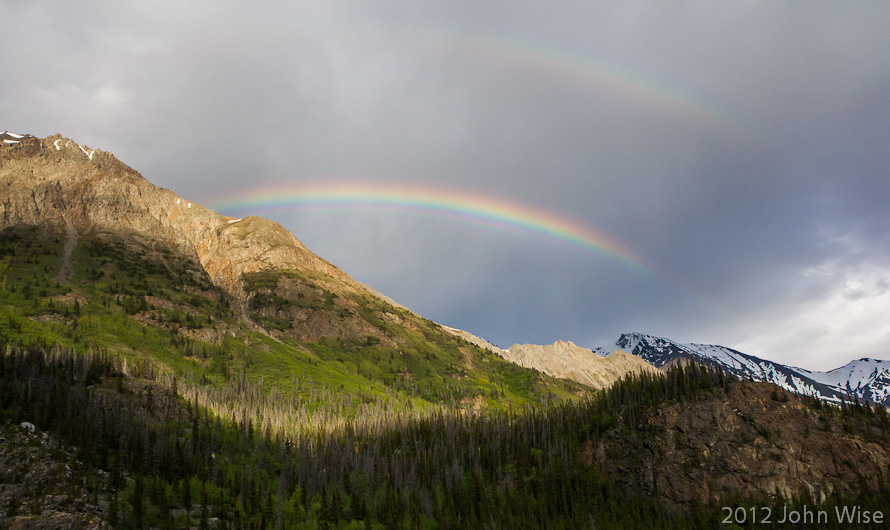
(88, 152)
(13, 138)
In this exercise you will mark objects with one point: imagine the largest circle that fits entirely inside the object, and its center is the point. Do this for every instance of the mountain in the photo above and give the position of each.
(13, 138)
(97, 217)
(566, 360)
(866, 379)
(56, 182)
(165, 366)
(94, 256)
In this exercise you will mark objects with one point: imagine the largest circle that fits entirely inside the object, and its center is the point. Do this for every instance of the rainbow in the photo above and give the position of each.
(584, 70)
(590, 72)
(475, 209)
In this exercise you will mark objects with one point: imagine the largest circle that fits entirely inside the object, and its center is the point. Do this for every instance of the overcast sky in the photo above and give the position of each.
(738, 151)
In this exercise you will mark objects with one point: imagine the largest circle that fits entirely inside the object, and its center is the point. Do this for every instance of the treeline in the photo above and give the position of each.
(174, 464)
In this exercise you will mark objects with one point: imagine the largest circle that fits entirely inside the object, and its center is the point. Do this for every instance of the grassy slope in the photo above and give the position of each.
(155, 307)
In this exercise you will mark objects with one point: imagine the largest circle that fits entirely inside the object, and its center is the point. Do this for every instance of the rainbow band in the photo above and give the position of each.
(593, 72)
(546, 60)
(478, 210)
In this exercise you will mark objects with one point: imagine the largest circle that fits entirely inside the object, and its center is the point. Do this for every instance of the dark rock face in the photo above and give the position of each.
(37, 484)
(756, 441)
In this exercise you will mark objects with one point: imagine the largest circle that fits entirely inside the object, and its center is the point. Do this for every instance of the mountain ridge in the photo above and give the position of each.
(57, 169)
(84, 237)
(567, 360)
(56, 181)
(871, 385)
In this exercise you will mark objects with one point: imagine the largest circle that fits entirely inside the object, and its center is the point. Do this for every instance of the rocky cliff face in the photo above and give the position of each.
(39, 478)
(754, 441)
(55, 182)
(568, 361)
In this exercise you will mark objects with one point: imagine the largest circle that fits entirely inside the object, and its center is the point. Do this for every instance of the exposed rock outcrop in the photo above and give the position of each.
(566, 360)
(754, 441)
(41, 484)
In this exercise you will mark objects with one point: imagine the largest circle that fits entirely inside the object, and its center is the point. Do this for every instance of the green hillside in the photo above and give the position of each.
(158, 311)
(158, 400)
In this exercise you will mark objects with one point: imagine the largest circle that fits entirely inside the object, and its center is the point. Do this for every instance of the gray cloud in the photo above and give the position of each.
(735, 148)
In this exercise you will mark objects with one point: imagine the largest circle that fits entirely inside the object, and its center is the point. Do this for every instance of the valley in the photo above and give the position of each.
(195, 370)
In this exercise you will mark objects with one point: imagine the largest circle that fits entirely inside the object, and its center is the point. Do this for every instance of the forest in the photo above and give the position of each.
(154, 457)
(155, 406)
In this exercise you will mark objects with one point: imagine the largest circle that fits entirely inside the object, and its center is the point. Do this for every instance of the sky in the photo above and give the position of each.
(709, 172)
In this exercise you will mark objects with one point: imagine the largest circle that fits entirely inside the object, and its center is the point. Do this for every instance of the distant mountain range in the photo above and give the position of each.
(867, 380)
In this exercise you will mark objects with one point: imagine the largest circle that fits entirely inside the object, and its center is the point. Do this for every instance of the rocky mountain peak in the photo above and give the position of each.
(629, 341)
(57, 182)
(567, 360)
(8, 138)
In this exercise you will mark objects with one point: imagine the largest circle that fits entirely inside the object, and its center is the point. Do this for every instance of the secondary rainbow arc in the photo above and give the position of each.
(547, 59)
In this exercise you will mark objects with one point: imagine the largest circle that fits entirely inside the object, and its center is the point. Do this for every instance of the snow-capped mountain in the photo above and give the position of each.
(865, 379)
